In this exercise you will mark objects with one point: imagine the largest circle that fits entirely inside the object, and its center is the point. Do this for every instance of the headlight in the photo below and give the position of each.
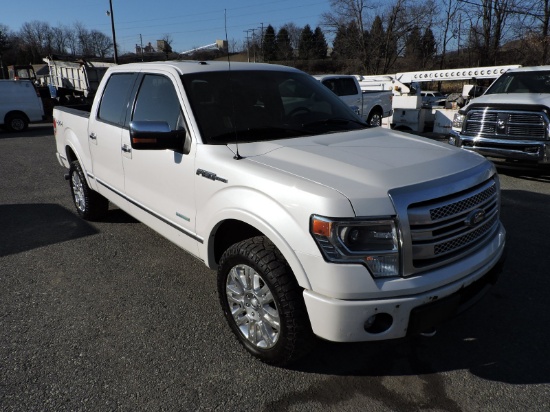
(458, 120)
(373, 243)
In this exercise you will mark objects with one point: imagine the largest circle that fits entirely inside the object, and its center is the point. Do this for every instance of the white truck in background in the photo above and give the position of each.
(371, 104)
(410, 113)
(511, 120)
(316, 223)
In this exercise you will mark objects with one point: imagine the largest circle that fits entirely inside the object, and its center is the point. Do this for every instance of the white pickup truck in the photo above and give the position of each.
(371, 105)
(511, 120)
(316, 224)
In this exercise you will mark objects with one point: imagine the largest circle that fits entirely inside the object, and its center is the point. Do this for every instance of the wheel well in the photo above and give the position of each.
(70, 154)
(16, 112)
(376, 109)
(230, 232)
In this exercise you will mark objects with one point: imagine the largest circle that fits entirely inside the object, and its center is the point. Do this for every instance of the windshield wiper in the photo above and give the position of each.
(334, 121)
(259, 134)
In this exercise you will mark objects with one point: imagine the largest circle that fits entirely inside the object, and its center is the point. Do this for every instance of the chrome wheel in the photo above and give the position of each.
(253, 307)
(375, 120)
(78, 192)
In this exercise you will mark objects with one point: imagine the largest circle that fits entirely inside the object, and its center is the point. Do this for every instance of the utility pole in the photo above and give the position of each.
(254, 42)
(247, 46)
(110, 13)
(141, 43)
(262, 43)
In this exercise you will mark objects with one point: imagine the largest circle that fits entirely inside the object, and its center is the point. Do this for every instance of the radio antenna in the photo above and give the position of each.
(237, 155)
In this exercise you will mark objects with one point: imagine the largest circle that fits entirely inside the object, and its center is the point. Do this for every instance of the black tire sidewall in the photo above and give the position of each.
(241, 253)
(14, 117)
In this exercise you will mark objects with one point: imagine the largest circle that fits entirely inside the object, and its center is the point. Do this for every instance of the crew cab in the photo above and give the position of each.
(316, 224)
(371, 105)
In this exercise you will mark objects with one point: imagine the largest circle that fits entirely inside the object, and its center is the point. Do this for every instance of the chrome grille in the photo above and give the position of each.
(505, 124)
(444, 229)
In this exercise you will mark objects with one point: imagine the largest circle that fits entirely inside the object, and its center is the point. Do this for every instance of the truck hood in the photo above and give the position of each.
(512, 99)
(363, 165)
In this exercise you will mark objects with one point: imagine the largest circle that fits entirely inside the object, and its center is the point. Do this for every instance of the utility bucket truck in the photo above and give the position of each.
(409, 111)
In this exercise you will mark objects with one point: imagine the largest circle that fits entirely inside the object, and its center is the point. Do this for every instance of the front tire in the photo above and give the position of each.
(89, 204)
(263, 303)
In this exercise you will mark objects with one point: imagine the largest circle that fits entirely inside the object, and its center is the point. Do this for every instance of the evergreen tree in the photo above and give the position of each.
(376, 46)
(320, 47)
(305, 48)
(283, 47)
(429, 46)
(347, 42)
(413, 44)
(269, 49)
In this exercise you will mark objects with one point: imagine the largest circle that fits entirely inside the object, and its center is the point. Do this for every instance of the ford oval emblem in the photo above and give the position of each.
(475, 217)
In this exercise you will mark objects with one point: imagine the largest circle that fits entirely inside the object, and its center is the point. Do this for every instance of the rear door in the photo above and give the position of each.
(104, 135)
(346, 89)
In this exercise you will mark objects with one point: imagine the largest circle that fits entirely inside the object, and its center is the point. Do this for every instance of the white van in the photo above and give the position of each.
(20, 104)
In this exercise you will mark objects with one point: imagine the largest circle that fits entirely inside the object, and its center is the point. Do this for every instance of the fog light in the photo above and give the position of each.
(378, 323)
(452, 141)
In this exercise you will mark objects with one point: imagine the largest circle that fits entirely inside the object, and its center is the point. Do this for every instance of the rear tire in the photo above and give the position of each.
(263, 303)
(375, 118)
(16, 122)
(89, 204)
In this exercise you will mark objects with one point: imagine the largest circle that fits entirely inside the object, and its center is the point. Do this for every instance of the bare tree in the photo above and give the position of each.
(350, 12)
(294, 34)
(101, 44)
(487, 25)
(534, 30)
(5, 45)
(450, 23)
(83, 39)
(34, 36)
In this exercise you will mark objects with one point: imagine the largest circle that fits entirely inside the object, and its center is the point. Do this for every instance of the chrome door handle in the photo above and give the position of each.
(126, 149)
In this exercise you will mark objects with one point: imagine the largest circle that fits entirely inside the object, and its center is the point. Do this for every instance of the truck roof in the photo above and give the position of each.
(530, 69)
(194, 66)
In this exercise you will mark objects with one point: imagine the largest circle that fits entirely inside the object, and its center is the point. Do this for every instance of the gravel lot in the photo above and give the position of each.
(110, 316)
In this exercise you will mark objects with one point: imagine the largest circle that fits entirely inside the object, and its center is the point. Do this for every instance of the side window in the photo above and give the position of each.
(157, 100)
(115, 98)
(348, 87)
(332, 85)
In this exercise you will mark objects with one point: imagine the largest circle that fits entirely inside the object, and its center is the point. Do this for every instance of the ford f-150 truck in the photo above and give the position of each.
(371, 105)
(511, 120)
(316, 224)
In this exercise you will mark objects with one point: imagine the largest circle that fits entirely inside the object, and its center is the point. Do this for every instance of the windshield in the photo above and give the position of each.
(521, 82)
(250, 106)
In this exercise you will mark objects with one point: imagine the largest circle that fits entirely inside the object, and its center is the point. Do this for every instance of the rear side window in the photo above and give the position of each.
(341, 86)
(115, 98)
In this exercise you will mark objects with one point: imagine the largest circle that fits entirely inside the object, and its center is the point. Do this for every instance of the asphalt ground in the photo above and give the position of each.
(110, 316)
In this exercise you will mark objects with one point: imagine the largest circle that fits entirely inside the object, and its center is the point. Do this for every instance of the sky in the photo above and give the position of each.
(189, 24)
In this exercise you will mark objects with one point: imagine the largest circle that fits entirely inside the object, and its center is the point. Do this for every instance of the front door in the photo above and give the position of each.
(160, 183)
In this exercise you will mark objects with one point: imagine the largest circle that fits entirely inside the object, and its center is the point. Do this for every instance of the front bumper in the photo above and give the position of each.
(519, 150)
(347, 320)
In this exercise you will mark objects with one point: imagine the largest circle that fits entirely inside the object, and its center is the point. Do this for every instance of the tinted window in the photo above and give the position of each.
(348, 87)
(115, 98)
(157, 100)
(342, 87)
(256, 105)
